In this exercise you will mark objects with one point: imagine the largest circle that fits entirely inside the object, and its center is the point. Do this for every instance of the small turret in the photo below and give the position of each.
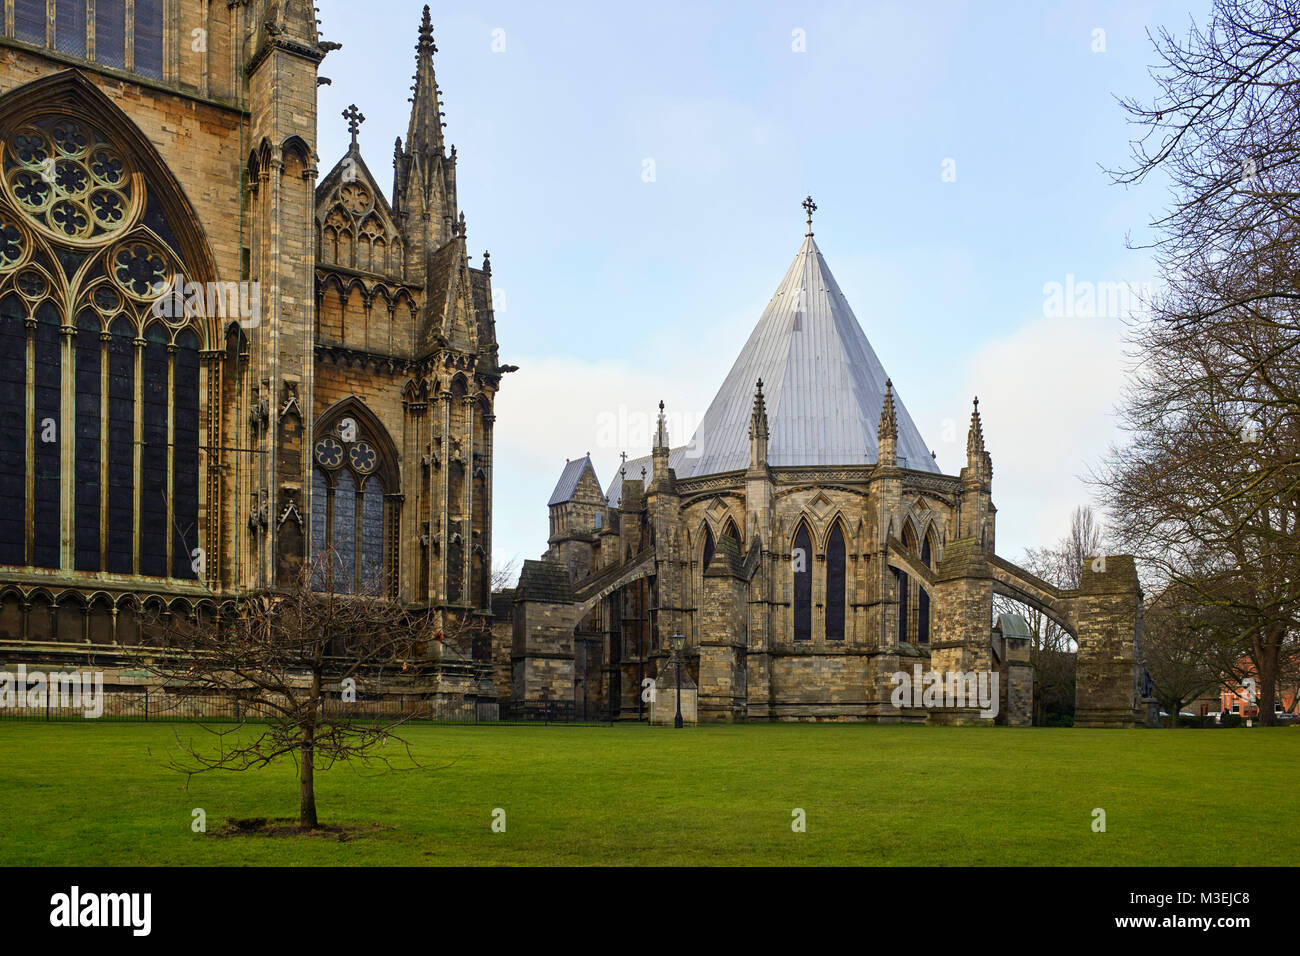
(659, 477)
(888, 433)
(977, 509)
(758, 431)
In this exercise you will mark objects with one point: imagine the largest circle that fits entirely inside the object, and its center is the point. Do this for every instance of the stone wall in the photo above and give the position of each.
(1108, 610)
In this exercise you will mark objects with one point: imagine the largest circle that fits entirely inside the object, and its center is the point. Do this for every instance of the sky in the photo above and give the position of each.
(636, 172)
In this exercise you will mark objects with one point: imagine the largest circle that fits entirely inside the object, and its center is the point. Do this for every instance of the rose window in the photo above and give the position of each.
(71, 182)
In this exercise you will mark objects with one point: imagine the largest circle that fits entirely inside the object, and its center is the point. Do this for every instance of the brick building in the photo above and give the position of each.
(217, 361)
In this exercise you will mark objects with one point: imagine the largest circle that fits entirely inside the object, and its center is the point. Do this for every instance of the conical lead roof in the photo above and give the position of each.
(823, 384)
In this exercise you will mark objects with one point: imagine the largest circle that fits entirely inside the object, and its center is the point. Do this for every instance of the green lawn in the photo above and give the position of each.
(90, 793)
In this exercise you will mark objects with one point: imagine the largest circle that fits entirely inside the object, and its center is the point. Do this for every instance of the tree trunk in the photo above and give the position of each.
(1268, 653)
(307, 781)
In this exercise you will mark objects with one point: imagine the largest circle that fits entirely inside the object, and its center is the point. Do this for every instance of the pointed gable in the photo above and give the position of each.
(354, 222)
(577, 472)
(823, 384)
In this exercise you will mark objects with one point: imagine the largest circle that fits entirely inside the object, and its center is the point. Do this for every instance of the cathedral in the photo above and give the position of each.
(217, 361)
(803, 549)
(221, 364)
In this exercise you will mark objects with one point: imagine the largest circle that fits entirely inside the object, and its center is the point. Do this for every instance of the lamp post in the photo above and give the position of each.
(679, 642)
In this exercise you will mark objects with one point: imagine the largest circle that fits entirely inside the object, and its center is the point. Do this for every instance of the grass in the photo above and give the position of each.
(90, 793)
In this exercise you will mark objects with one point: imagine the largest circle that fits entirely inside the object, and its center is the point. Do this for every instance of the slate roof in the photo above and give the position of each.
(569, 478)
(822, 381)
(1013, 625)
(676, 458)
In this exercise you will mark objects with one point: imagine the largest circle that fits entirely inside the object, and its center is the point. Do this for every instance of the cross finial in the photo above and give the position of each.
(809, 207)
(355, 119)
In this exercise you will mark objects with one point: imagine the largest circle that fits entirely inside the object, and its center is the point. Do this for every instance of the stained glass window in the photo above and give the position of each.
(121, 449)
(13, 441)
(148, 38)
(347, 510)
(801, 559)
(185, 454)
(89, 355)
(121, 465)
(835, 561)
(923, 600)
(70, 27)
(110, 33)
(902, 605)
(49, 373)
(29, 21)
(372, 535)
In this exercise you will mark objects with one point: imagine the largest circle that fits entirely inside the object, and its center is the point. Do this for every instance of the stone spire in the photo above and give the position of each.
(424, 173)
(888, 432)
(975, 437)
(758, 429)
(424, 133)
(659, 478)
(976, 509)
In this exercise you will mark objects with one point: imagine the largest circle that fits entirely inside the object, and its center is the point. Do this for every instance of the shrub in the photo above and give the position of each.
(1232, 720)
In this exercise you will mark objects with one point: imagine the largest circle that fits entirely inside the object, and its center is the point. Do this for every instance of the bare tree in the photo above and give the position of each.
(277, 658)
(505, 575)
(1224, 128)
(1183, 643)
(1207, 491)
(1080, 546)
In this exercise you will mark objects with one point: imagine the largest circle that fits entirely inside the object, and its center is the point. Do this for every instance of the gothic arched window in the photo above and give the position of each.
(902, 604)
(97, 361)
(729, 530)
(801, 561)
(923, 600)
(350, 517)
(835, 564)
(708, 549)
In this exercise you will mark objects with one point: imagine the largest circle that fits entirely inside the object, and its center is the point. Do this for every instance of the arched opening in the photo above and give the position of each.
(101, 253)
(800, 561)
(835, 585)
(907, 600)
(353, 475)
(923, 597)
